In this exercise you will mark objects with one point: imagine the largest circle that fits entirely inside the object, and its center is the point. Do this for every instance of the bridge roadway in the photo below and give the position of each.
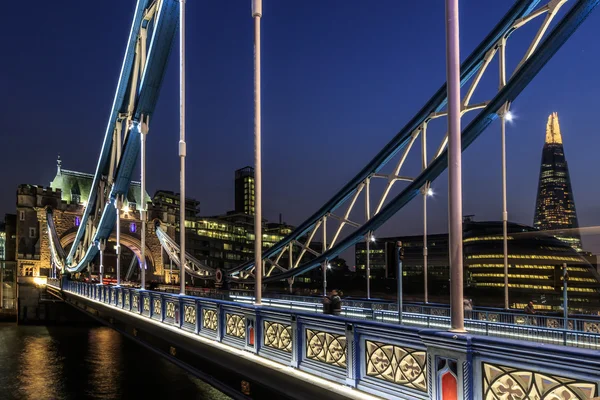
(269, 352)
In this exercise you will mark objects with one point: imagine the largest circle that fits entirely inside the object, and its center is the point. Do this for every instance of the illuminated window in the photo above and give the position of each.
(77, 221)
(132, 227)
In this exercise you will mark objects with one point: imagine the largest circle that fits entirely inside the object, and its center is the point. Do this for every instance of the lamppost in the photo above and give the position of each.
(370, 238)
(504, 117)
(427, 192)
(400, 255)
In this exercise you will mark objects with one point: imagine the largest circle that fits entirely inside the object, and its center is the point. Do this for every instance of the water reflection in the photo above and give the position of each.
(87, 363)
(40, 367)
(104, 360)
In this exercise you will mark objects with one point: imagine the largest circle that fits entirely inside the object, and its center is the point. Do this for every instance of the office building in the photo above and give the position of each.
(244, 191)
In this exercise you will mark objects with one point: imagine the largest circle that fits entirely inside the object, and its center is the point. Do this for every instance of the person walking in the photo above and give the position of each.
(530, 310)
(336, 303)
(326, 305)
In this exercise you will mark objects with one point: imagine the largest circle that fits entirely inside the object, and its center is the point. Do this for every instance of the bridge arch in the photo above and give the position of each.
(131, 242)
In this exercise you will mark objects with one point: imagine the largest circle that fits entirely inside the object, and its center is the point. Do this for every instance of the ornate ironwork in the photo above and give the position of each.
(136, 301)
(235, 325)
(501, 382)
(520, 320)
(439, 312)
(402, 365)
(170, 310)
(189, 314)
(278, 336)
(157, 306)
(326, 347)
(112, 297)
(209, 319)
(120, 297)
(558, 324)
(127, 300)
(591, 327)
(147, 304)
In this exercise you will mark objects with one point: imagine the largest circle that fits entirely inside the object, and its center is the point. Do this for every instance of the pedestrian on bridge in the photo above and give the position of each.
(336, 303)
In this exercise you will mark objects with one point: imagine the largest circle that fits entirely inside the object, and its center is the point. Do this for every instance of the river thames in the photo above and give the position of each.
(88, 362)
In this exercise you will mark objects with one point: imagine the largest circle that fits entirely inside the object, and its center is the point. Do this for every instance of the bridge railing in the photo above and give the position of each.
(431, 315)
(388, 360)
(54, 282)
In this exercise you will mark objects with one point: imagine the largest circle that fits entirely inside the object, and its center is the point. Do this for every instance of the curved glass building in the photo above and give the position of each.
(535, 267)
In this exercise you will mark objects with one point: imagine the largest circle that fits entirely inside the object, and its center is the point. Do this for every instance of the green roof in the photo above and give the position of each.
(73, 184)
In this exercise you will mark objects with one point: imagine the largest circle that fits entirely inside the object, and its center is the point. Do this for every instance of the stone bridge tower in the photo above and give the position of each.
(67, 196)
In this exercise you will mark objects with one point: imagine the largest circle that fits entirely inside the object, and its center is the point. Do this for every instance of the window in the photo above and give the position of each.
(77, 221)
(32, 232)
(132, 227)
(22, 215)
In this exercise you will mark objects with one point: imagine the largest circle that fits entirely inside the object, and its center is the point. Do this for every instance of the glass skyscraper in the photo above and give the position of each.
(555, 205)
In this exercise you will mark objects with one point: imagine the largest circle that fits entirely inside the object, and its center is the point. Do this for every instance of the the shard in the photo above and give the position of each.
(555, 204)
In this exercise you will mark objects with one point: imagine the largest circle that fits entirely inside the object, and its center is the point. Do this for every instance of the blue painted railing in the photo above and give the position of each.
(388, 360)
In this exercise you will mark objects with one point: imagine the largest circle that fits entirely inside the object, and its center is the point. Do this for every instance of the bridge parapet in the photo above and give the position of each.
(386, 360)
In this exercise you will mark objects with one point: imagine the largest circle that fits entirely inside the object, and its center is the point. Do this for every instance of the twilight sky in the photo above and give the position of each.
(340, 78)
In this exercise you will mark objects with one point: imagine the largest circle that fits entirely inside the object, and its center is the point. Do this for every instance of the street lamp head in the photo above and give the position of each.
(430, 192)
(372, 238)
(509, 116)
(329, 266)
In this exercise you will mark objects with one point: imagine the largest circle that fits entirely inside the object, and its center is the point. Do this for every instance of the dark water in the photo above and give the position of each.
(38, 362)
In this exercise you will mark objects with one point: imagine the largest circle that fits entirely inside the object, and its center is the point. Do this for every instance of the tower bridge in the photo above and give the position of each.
(434, 357)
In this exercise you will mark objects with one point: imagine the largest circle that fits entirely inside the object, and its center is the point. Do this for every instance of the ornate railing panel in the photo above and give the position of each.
(328, 348)
(502, 382)
(209, 319)
(277, 336)
(401, 365)
(235, 325)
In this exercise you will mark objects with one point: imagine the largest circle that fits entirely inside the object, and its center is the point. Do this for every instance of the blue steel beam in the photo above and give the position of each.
(166, 24)
(508, 93)
(118, 104)
(469, 67)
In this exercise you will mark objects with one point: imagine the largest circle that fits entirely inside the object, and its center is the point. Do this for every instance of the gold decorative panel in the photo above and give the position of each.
(554, 323)
(235, 325)
(326, 347)
(401, 365)
(209, 319)
(136, 301)
(157, 306)
(126, 300)
(591, 327)
(170, 310)
(147, 304)
(277, 336)
(189, 314)
(502, 382)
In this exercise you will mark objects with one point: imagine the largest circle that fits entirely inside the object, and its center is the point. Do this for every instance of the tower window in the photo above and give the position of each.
(77, 221)
(132, 227)
(22, 215)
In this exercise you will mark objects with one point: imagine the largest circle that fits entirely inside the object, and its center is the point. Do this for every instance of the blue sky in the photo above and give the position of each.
(340, 78)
